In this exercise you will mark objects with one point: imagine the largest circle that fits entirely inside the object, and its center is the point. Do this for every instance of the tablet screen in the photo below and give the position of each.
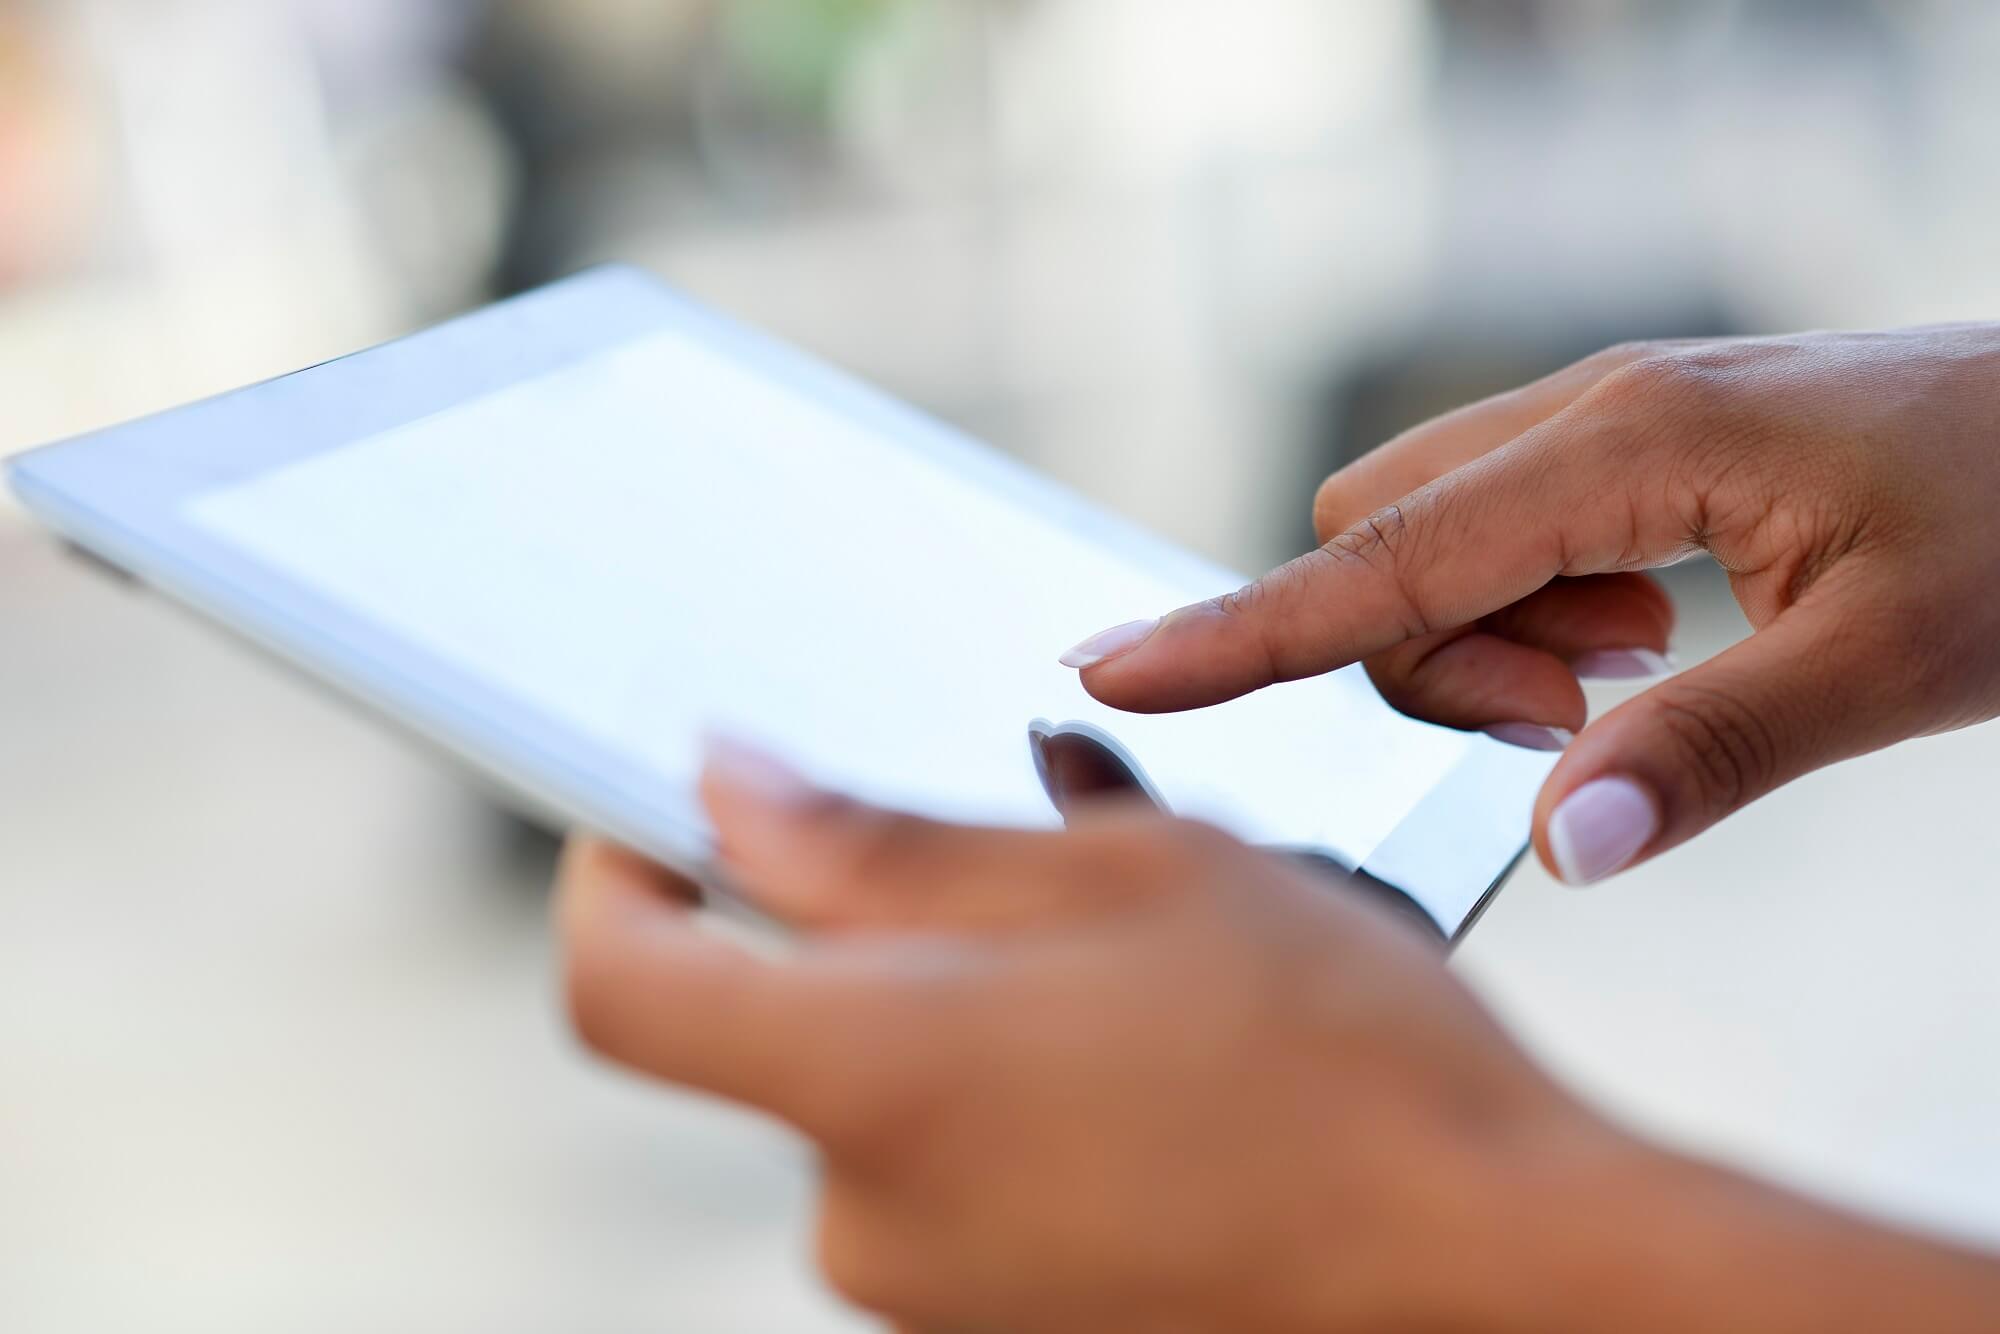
(660, 539)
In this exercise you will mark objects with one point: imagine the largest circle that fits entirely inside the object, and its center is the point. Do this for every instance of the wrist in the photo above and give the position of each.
(1651, 1241)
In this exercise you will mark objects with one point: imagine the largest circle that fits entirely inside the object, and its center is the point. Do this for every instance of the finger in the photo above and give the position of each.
(1468, 679)
(1602, 625)
(1517, 670)
(823, 861)
(592, 869)
(1614, 624)
(874, 1254)
(1081, 768)
(650, 990)
(1806, 690)
(1564, 499)
(1586, 620)
(1429, 451)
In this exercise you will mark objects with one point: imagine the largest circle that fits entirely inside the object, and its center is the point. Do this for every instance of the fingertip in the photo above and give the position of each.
(594, 870)
(782, 836)
(1114, 687)
(1192, 658)
(738, 772)
(1121, 689)
(1341, 499)
(1108, 644)
(593, 859)
(1623, 664)
(601, 888)
(1142, 666)
(757, 800)
(1598, 828)
(1531, 736)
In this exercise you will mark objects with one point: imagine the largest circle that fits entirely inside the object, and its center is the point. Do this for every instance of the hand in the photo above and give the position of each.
(1133, 1076)
(1138, 1077)
(1849, 484)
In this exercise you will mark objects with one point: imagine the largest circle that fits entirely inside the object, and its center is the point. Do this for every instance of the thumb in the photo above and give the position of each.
(825, 862)
(1803, 692)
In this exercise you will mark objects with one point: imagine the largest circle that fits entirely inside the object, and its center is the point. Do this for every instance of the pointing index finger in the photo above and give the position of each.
(1350, 598)
(1475, 540)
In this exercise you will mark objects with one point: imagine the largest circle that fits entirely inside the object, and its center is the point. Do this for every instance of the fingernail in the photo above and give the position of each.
(1107, 644)
(1621, 664)
(755, 773)
(1531, 736)
(1600, 827)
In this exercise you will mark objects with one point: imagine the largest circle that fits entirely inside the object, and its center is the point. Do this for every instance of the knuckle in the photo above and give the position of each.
(869, 1117)
(1384, 543)
(1198, 843)
(1629, 350)
(1245, 602)
(1624, 353)
(1152, 855)
(589, 1003)
(1726, 747)
(1393, 676)
(1637, 381)
(874, 850)
(911, 1045)
(1254, 606)
(1376, 540)
(1195, 858)
(855, 1264)
(1662, 383)
(1140, 854)
(1331, 509)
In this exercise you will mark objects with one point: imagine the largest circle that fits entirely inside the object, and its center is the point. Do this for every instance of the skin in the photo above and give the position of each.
(1848, 483)
(1140, 1077)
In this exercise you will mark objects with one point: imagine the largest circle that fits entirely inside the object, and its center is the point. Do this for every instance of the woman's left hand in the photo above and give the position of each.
(1133, 1076)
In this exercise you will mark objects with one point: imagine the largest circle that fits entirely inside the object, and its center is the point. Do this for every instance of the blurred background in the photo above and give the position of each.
(278, 1047)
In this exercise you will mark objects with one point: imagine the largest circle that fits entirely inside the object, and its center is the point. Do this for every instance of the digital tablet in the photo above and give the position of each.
(569, 535)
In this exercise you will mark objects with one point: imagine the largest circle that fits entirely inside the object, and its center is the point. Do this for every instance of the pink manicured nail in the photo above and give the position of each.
(1600, 827)
(1621, 664)
(1531, 736)
(755, 772)
(1107, 644)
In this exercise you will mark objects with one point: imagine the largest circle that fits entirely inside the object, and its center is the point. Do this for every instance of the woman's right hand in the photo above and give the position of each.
(1849, 484)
